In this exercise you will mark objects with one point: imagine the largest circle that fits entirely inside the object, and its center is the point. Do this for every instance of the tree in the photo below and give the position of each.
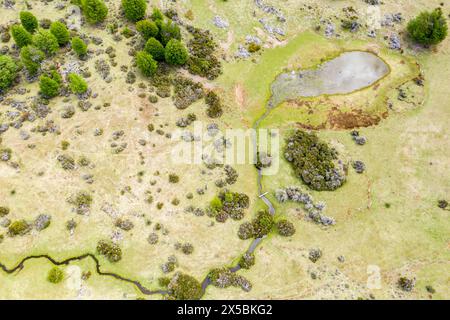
(428, 28)
(29, 21)
(146, 63)
(49, 87)
(176, 53)
(134, 9)
(77, 84)
(31, 58)
(46, 42)
(168, 31)
(147, 28)
(157, 15)
(59, 30)
(79, 46)
(185, 287)
(8, 72)
(95, 11)
(21, 36)
(155, 48)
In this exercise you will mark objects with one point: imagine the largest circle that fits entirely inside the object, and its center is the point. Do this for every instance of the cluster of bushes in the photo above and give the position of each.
(314, 161)
(224, 278)
(203, 60)
(184, 287)
(163, 43)
(186, 92)
(110, 250)
(263, 224)
(228, 205)
(82, 202)
(215, 109)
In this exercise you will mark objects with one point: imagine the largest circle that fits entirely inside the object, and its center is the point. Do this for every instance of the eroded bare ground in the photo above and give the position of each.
(92, 175)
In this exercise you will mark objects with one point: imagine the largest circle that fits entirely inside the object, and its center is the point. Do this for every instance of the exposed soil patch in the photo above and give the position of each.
(239, 94)
(349, 120)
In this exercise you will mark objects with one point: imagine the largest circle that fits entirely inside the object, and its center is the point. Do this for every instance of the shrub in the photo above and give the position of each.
(215, 109)
(169, 31)
(216, 204)
(134, 9)
(155, 48)
(147, 28)
(19, 228)
(29, 21)
(4, 211)
(173, 178)
(110, 250)
(8, 72)
(55, 275)
(59, 30)
(428, 28)
(146, 63)
(157, 15)
(285, 228)
(77, 84)
(21, 36)
(31, 58)
(45, 41)
(247, 261)
(184, 287)
(263, 224)
(313, 161)
(79, 46)
(95, 11)
(48, 86)
(176, 53)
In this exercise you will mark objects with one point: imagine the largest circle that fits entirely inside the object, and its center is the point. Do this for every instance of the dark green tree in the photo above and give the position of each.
(29, 21)
(8, 72)
(185, 287)
(134, 9)
(31, 58)
(147, 28)
(155, 48)
(95, 11)
(45, 41)
(176, 53)
(146, 63)
(59, 30)
(157, 15)
(169, 30)
(21, 36)
(79, 46)
(77, 84)
(428, 28)
(49, 87)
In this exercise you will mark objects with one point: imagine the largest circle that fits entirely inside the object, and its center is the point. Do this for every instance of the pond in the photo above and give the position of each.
(347, 73)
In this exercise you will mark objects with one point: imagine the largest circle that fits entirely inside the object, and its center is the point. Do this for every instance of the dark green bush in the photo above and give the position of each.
(175, 53)
(174, 178)
(21, 36)
(45, 41)
(184, 287)
(247, 261)
(29, 21)
(55, 275)
(77, 84)
(147, 29)
(157, 15)
(4, 211)
(59, 30)
(134, 9)
(31, 58)
(146, 63)
(95, 11)
(155, 48)
(428, 28)
(214, 109)
(49, 87)
(79, 46)
(263, 224)
(8, 72)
